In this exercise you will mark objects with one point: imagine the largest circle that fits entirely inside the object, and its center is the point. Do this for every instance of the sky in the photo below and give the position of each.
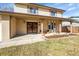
(7, 7)
(71, 9)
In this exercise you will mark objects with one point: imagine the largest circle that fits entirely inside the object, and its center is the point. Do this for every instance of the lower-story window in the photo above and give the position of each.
(49, 27)
(52, 26)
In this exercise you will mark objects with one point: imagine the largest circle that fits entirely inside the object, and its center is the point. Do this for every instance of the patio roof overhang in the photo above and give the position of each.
(24, 15)
(28, 15)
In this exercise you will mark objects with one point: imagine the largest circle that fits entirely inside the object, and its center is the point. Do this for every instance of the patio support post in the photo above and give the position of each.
(42, 28)
(70, 27)
(60, 27)
(38, 27)
(53, 26)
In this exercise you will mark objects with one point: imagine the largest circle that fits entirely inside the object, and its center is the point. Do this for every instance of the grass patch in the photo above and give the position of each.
(68, 46)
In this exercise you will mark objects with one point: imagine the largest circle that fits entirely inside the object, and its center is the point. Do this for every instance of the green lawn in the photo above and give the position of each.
(54, 46)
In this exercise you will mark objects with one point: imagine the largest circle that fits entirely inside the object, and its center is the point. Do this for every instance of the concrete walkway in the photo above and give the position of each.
(26, 39)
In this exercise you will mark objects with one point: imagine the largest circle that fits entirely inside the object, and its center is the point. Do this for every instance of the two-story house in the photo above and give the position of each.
(29, 18)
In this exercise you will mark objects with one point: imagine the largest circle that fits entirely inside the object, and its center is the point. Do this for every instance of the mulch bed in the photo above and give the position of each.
(58, 36)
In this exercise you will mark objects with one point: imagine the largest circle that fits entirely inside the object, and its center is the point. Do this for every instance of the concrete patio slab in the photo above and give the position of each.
(26, 39)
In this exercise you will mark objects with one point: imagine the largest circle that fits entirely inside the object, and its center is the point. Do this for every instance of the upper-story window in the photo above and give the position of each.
(53, 13)
(33, 10)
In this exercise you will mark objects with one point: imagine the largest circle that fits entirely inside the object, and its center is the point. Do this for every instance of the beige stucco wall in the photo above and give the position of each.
(16, 25)
(23, 8)
(0, 28)
(20, 26)
(45, 24)
(47, 21)
(0, 17)
(20, 8)
(59, 14)
(13, 26)
(42, 11)
(5, 21)
(58, 23)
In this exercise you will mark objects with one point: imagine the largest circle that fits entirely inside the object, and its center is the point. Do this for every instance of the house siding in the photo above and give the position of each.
(59, 14)
(21, 27)
(44, 12)
(20, 8)
(0, 28)
(24, 8)
(16, 24)
(5, 21)
(13, 26)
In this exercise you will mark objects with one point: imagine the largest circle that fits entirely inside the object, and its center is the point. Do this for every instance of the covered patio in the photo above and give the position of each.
(17, 24)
